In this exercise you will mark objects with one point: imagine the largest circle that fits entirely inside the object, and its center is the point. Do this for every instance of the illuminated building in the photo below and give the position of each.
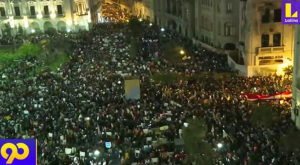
(266, 44)
(41, 15)
(144, 9)
(250, 31)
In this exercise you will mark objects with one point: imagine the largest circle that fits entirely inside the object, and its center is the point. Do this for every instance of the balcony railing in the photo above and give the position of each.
(61, 15)
(265, 50)
(3, 17)
(18, 17)
(32, 16)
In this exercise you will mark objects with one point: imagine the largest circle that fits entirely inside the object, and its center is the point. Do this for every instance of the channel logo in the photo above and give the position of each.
(18, 152)
(290, 10)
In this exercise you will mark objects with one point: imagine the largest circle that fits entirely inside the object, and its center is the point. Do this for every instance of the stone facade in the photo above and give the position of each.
(40, 15)
(251, 30)
(265, 43)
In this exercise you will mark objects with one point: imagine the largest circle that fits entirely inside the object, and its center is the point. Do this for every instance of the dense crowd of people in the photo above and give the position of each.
(82, 105)
(113, 13)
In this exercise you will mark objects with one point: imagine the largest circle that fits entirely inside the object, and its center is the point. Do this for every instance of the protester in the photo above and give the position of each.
(82, 105)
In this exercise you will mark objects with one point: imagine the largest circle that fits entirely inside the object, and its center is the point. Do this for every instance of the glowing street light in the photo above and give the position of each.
(150, 24)
(162, 29)
(140, 19)
(97, 153)
(69, 22)
(219, 145)
(182, 52)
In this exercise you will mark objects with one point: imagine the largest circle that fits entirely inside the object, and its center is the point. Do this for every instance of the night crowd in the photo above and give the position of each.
(82, 105)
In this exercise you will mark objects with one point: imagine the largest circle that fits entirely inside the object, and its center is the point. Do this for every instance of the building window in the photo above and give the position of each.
(219, 28)
(81, 9)
(2, 12)
(168, 6)
(229, 7)
(218, 8)
(180, 9)
(59, 10)
(46, 10)
(17, 12)
(265, 40)
(277, 15)
(174, 12)
(277, 39)
(229, 30)
(32, 10)
(266, 16)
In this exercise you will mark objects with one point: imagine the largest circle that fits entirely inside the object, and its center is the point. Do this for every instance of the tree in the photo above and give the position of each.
(7, 30)
(171, 52)
(288, 70)
(55, 53)
(199, 151)
(50, 31)
(135, 27)
(264, 115)
(20, 31)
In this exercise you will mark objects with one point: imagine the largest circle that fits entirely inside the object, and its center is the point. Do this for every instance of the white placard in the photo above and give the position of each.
(82, 154)
(145, 131)
(68, 151)
(73, 149)
(186, 124)
(149, 139)
(163, 128)
(154, 160)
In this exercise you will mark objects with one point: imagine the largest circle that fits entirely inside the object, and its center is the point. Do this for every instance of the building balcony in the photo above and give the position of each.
(32, 16)
(3, 17)
(18, 17)
(268, 50)
(61, 15)
(81, 14)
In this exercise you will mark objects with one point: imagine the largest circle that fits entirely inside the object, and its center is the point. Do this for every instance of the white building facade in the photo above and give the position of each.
(42, 15)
